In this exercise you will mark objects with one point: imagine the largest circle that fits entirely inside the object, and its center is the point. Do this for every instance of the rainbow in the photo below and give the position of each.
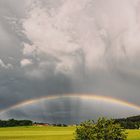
(83, 96)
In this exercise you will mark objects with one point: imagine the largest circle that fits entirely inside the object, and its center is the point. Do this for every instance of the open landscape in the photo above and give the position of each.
(48, 133)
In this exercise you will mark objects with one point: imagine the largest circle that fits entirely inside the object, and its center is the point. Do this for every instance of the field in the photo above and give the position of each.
(48, 133)
(133, 134)
(37, 133)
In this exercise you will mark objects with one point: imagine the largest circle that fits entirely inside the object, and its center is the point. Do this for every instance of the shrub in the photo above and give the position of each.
(103, 129)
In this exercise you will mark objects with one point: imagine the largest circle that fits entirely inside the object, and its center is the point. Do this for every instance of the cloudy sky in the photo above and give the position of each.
(67, 47)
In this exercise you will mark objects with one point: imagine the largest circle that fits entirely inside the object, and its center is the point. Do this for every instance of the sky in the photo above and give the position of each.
(66, 47)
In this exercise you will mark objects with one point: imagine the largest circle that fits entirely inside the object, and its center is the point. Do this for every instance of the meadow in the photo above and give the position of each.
(48, 133)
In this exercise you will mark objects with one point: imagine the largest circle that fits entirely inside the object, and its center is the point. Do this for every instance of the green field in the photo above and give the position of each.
(133, 134)
(48, 133)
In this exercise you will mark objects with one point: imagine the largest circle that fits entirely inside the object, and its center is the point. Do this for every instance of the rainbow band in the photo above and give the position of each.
(83, 96)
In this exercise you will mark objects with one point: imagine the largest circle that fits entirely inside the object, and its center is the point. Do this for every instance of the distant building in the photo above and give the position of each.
(41, 124)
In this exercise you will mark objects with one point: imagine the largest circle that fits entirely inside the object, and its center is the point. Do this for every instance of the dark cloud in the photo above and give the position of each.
(55, 47)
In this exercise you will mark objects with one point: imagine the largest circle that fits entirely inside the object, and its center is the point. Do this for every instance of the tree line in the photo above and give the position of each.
(13, 122)
(127, 123)
(130, 122)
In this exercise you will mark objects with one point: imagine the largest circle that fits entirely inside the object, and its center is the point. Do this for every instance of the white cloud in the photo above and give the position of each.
(63, 34)
(105, 32)
(25, 62)
(29, 50)
(5, 66)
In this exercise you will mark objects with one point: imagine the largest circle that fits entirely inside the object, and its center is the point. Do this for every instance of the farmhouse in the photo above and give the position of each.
(41, 124)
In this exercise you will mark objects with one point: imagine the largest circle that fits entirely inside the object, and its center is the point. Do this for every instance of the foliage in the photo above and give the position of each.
(130, 122)
(60, 125)
(103, 129)
(12, 122)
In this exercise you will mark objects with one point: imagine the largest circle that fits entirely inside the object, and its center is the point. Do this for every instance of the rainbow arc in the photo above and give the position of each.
(83, 96)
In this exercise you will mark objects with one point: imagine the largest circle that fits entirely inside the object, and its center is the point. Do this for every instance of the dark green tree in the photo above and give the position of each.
(103, 129)
(13, 122)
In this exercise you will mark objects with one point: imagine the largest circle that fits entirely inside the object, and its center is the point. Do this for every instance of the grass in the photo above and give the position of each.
(48, 133)
(133, 134)
(37, 133)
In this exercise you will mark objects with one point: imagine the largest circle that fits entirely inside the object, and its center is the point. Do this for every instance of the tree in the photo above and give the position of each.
(130, 122)
(12, 122)
(103, 129)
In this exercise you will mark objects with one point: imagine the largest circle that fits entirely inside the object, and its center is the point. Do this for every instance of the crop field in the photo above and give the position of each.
(48, 133)
(133, 134)
(37, 133)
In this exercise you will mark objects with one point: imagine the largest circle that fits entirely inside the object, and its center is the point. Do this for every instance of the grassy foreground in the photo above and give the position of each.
(48, 133)
(133, 134)
(37, 133)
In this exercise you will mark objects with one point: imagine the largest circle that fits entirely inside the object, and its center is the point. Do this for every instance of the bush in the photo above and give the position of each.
(102, 130)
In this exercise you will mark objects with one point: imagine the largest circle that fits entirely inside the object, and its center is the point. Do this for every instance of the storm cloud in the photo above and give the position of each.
(57, 47)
